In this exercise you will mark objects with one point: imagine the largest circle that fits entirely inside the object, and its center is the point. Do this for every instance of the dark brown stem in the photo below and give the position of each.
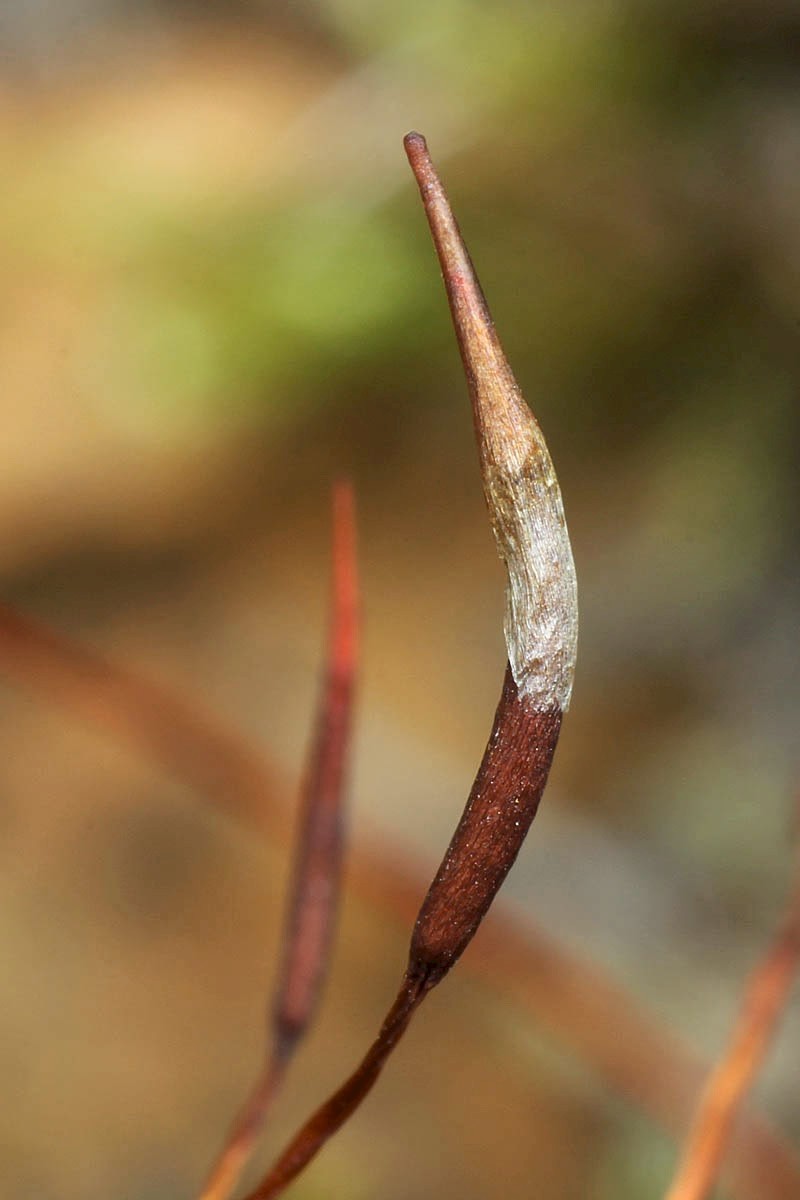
(331, 1115)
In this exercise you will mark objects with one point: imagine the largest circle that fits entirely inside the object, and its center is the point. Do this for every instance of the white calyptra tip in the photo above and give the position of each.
(527, 514)
(519, 481)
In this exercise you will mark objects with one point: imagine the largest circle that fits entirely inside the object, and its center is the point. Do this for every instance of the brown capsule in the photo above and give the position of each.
(541, 626)
(498, 814)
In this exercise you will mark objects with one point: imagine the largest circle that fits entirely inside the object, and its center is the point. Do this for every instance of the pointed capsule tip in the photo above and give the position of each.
(415, 143)
(345, 587)
(519, 480)
(417, 151)
(343, 494)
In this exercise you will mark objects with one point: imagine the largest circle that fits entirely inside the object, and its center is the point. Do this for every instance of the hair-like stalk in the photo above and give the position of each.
(315, 885)
(314, 895)
(527, 516)
(763, 1004)
(193, 744)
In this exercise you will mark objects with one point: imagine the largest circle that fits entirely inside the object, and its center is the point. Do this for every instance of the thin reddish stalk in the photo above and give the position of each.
(513, 957)
(331, 1115)
(764, 1002)
(316, 877)
(317, 872)
(193, 745)
(245, 1130)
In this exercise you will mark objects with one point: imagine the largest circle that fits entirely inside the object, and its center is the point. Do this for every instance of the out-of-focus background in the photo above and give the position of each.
(217, 294)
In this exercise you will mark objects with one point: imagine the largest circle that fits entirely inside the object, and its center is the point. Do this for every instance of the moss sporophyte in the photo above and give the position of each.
(527, 517)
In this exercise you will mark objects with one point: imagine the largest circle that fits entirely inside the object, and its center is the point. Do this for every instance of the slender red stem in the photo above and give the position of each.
(192, 744)
(764, 1003)
(315, 887)
(316, 882)
(245, 1130)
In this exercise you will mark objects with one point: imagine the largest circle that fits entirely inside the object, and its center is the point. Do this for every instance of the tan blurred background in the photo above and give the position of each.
(217, 294)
